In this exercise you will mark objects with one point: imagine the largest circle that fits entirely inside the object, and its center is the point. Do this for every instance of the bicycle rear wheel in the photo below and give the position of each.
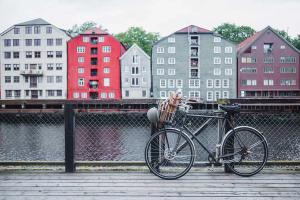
(169, 154)
(245, 151)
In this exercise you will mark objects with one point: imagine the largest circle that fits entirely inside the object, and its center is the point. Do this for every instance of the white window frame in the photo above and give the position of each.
(171, 39)
(80, 70)
(81, 49)
(219, 94)
(163, 94)
(217, 49)
(212, 95)
(84, 95)
(217, 60)
(103, 95)
(106, 59)
(228, 49)
(217, 71)
(111, 95)
(217, 39)
(106, 49)
(160, 61)
(194, 83)
(160, 71)
(85, 39)
(75, 95)
(228, 72)
(225, 96)
(171, 83)
(81, 59)
(106, 70)
(101, 39)
(215, 83)
(179, 83)
(172, 72)
(209, 83)
(228, 60)
(106, 82)
(163, 85)
(160, 50)
(223, 83)
(80, 82)
(171, 61)
(194, 94)
(171, 50)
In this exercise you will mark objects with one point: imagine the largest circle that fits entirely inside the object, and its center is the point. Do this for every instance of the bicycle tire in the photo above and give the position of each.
(169, 154)
(246, 150)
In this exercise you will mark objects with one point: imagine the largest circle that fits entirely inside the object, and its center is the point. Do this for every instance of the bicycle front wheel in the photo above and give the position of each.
(245, 151)
(169, 154)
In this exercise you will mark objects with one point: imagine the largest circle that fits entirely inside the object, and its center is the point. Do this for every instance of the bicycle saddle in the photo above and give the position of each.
(231, 109)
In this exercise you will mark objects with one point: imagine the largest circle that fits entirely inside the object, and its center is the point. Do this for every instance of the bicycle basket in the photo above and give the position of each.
(167, 109)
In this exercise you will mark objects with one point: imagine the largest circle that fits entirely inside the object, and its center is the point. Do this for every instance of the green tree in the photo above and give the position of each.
(233, 32)
(284, 34)
(77, 29)
(139, 36)
(296, 42)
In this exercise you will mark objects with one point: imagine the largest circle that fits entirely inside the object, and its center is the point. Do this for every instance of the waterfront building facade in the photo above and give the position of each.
(268, 66)
(199, 62)
(94, 66)
(135, 74)
(34, 61)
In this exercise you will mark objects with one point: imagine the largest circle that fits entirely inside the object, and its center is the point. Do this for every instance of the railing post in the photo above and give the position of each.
(69, 138)
(228, 128)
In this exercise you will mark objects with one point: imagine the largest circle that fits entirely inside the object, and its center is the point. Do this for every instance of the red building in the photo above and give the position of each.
(94, 66)
(268, 66)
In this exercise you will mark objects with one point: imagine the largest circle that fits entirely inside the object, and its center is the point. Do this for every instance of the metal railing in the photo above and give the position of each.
(73, 135)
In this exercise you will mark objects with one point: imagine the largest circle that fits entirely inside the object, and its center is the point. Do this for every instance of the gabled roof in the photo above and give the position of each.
(131, 48)
(96, 30)
(250, 40)
(38, 21)
(194, 29)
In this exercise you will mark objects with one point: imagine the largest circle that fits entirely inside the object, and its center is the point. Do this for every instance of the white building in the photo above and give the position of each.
(135, 74)
(34, 61)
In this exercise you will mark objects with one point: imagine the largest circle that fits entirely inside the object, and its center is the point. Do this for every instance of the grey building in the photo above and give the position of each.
(135, 73)
(199, 62)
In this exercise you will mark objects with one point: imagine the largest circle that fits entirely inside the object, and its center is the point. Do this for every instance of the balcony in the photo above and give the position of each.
(94, 61)
(94, 40)
(194, 62)
(194, 40)
(94, 51)
(94, 84)
(31, 72)
(194, 52)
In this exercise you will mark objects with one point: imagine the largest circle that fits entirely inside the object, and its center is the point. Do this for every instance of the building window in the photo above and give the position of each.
(217, 83)
(50, 66)
(58, 54)
(103, 95)
(101, 39)
(248, 70)
(126, 93)
(225, 83)
(134, 81)
(106, 82)
(59, 66)
(106, 59)
(209, 83)
(85, 39)
(288, 70)
(81, 59)
(171, 61)
(7, 67)
(217, 95)
(76, 95)
(106, 70)
(160, 50)
(217, 60)
(80, 70)
(28, 29)
(8, 93)
(16, 67)
(282, 46)
(7, 42)
(16, 79)
(134, 70)
(268, 70)
(37, 42)
(160, 71)
(228, 60)
(248, 60)
(194, 73)
(269, 60)
(58, 79)
(194, 94)
(37, 29)
(217, 39)
(225, 94)
(268, 47)
(81, 82)
(160, 61)
(135, 59)
(194, 83)
(228, 72)
(28, 42)
(80, 49)
(210, 96)
(17, 93)
(48, 30)
(287, 82)
(217, 49)
(171, 39)
(16, 30)
(49, 54)
(59, 93)
(248, 82)
(58, 42)
(163, 83)
(144, 93)
(7, 55)
(16, 54)
(37, 54)
(171, 83)
(288, 59)
(217, 71)
(16, 42)
(49, 42)
(50, 79)
(28, 54)
(106, 49)
(268, 82)
(253, 47)
(179, 83)
(171, 72)
(228, 49)
(163, 94)
(171, 49)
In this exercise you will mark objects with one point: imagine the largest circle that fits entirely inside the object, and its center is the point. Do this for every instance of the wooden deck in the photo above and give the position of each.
(143, 185)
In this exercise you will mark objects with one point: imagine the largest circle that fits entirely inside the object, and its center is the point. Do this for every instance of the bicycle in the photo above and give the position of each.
(170, 153)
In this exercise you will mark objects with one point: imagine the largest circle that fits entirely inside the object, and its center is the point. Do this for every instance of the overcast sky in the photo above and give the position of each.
(163, 16)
